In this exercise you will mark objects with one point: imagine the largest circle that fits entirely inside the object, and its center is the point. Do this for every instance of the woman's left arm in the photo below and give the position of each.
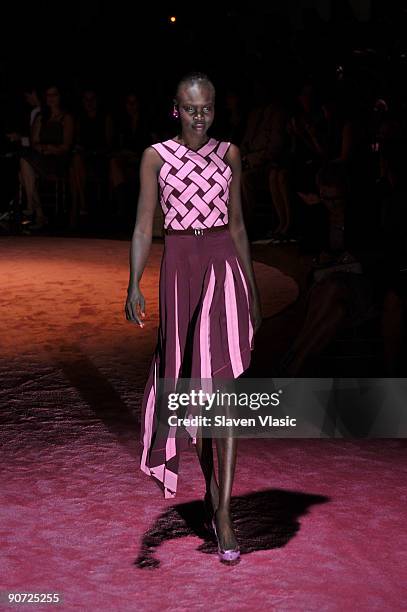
(238, 231)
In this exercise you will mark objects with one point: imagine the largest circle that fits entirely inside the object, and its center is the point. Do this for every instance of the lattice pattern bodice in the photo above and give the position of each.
(194, 185)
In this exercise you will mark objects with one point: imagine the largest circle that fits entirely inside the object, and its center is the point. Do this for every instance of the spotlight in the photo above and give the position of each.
(173, 19)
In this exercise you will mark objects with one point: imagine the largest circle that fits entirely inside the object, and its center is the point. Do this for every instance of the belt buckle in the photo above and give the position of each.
(198, 231)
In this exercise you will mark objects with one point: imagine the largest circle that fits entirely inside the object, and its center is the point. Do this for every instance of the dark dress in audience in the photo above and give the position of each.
(51, 133)
(91, 140)
(132, 141)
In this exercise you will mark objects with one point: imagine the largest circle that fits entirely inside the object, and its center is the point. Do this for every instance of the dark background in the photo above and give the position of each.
(116, 44)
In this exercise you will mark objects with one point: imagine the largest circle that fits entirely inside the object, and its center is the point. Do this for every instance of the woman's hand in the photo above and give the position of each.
(135, 306)
(309, 198)
(257, 316)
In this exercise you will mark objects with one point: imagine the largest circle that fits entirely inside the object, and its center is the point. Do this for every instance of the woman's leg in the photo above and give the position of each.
(205, 455)
(227, 451)
(74, 212)
(220, 494)
(79, 173)
(326, 312)
(29, 182)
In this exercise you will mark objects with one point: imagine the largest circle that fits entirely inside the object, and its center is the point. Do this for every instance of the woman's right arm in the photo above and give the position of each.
(142, 235)
(35, 132)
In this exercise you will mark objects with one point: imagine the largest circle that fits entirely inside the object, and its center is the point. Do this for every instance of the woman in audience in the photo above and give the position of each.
(93, 142)
(133, 138)
(51, 138)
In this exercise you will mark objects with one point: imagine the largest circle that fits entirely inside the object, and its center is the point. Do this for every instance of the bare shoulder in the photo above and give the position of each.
(233, 155)
(151, 157)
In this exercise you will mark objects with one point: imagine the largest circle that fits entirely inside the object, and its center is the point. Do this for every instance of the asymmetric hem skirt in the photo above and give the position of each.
(205, 332)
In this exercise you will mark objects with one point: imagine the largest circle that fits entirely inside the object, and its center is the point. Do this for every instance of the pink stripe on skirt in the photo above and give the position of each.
(205, 332)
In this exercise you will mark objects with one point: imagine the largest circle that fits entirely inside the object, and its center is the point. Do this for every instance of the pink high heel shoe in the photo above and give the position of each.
(226, 556)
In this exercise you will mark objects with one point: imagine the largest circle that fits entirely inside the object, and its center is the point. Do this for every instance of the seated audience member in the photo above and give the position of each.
(15, 137)
(343, 291)
(51, 138)
(93, 143)
(279, 181)
(336, 129)
(232, 118)
(132, 138)
(262, 148)
(307, 129)
(31, 97)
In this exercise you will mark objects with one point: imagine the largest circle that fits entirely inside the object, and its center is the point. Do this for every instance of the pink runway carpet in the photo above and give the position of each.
(321, 523)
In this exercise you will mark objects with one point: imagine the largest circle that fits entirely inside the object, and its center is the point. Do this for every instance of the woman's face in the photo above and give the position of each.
(196, 106)
(52, 97)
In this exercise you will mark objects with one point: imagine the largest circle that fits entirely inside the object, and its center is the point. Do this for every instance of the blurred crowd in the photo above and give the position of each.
(323, 167)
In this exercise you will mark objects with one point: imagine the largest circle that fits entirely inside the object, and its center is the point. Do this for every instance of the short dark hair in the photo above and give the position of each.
(192, 78)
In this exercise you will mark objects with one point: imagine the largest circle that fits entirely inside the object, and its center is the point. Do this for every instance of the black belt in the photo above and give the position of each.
(197, 231)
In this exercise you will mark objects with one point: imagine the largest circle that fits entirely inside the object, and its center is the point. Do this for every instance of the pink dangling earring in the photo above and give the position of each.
(175, 112)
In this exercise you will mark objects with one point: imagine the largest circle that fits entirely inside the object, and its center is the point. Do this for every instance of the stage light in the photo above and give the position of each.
(173, 19)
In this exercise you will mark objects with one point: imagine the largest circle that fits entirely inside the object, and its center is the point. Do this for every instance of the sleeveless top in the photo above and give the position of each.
(194, 185)
(52, 131)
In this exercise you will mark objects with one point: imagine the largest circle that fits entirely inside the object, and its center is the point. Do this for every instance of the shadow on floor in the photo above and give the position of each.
(263, 520)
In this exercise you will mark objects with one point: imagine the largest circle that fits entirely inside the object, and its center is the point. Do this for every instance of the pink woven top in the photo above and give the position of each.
(194, 185)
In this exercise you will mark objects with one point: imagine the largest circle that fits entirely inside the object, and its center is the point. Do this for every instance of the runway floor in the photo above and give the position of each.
(321, 523)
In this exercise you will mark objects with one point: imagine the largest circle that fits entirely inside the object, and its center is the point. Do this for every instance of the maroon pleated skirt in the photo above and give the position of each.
(205, 332)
